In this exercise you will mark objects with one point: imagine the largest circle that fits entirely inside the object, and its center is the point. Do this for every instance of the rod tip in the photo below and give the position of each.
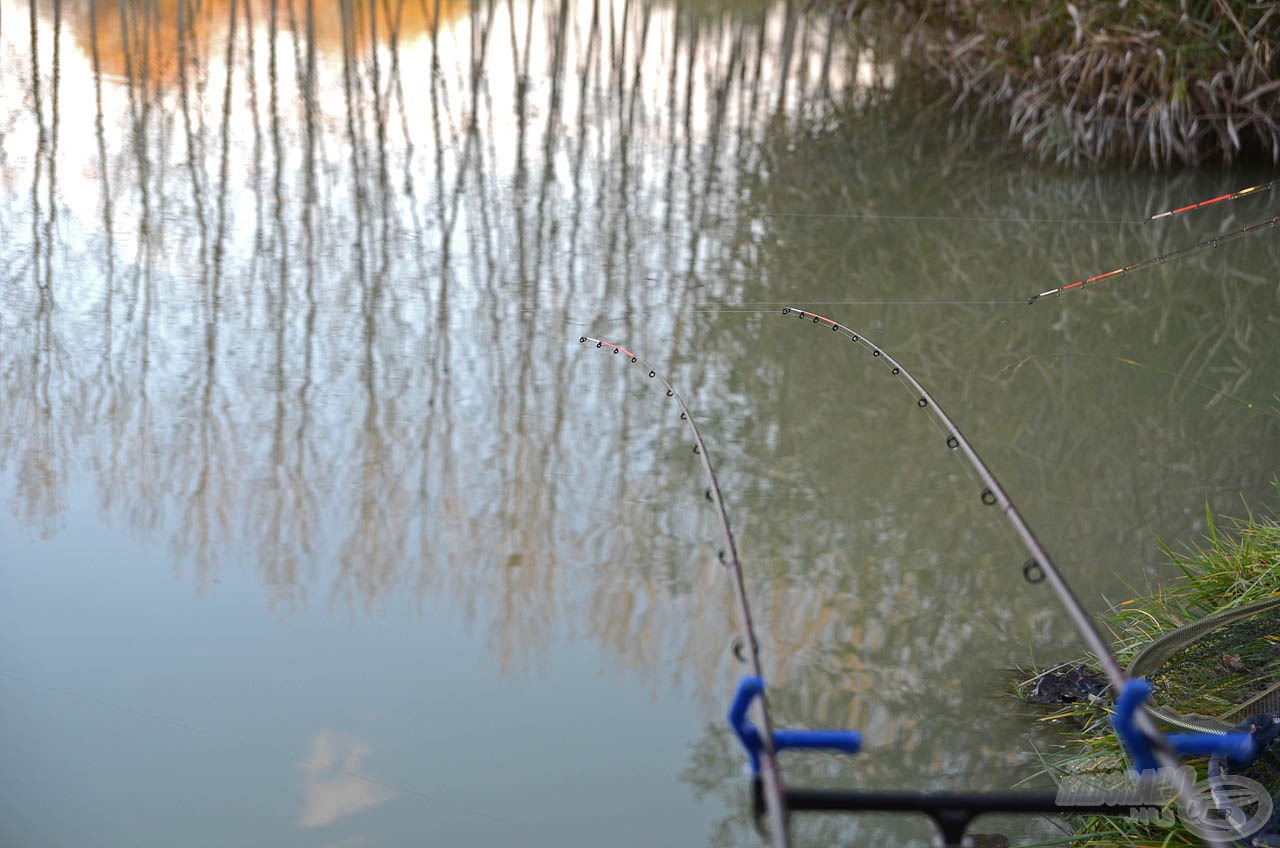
(1161, 215)
(1032, 299)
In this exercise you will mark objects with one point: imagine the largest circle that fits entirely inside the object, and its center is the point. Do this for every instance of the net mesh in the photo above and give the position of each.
(1213, 673)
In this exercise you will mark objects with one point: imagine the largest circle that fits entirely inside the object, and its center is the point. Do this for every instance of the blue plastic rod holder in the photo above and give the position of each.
(1236, 747)
(749, 688)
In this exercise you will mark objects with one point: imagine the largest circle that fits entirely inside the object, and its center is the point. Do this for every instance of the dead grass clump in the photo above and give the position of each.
(1142, 81)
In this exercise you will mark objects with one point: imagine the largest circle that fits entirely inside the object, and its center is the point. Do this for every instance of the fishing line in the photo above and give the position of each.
(912, 303)
(966, 219)
(1234, 195)
(772, 307)
(1016, 219)
(770, 772)
(1039, 567)
(1162, 258)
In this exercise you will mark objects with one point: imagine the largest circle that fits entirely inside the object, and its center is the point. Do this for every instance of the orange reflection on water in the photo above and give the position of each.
(149, 40)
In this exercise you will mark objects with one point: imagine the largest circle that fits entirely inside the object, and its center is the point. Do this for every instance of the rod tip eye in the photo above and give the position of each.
(582, 339)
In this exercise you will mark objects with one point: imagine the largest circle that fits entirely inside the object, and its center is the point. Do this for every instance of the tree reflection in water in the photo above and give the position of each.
(323, 255)
(298, 285)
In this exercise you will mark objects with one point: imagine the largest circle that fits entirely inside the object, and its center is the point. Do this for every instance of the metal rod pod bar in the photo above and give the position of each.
(950, 812)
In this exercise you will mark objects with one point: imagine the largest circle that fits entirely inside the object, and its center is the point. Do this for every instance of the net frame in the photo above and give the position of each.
(1158, 651)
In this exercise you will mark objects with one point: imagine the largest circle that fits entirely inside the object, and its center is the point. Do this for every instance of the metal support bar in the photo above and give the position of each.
(951, 812)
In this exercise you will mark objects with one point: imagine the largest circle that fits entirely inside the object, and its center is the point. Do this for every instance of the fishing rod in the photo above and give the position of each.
(1040, 566)
(1147, 746)
(951, 812)
(1162, 258)
(762, 743)
(1234, 195)
(767, 759)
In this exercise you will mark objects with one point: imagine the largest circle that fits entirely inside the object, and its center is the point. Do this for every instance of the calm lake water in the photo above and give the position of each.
(321, 529)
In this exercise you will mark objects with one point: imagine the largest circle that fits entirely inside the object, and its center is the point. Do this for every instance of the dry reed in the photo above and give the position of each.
(1143, 82)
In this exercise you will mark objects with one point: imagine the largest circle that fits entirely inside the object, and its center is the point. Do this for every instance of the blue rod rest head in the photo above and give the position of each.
(1132, 697)
(1237, 747)
(749, 688)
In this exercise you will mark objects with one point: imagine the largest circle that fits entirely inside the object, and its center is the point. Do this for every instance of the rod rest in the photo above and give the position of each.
(1236, 747)
(750, 688)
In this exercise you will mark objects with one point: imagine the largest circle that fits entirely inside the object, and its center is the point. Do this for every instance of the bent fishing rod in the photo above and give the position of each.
(951, 813)
(1148, 748)
(767, 758)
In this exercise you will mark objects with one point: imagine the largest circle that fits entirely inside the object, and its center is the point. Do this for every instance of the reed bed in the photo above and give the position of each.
(1143, 82)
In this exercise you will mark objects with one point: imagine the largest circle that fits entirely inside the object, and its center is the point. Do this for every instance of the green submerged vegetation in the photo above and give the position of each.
(1143, 82)
(1236, 564)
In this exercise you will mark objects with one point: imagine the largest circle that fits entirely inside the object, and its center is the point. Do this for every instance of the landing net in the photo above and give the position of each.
(1212, 674)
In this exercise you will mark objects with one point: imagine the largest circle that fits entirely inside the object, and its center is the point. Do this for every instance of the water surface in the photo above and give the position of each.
(321, 528)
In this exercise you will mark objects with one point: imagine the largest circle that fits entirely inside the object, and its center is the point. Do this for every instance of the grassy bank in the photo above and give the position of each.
(1143, 82)
(1234, 565)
